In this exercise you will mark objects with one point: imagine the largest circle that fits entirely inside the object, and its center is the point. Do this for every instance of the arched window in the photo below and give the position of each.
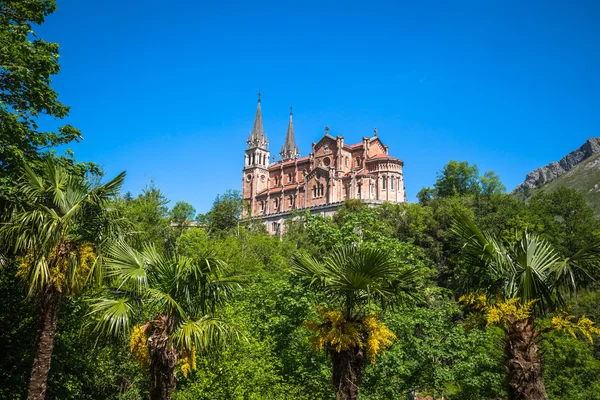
(384, 182)
(359, 186)
(314, 191)
(290, 177)
(392, 183)
(346, 161)
(321, 190)
(291, 201)
(276, 204)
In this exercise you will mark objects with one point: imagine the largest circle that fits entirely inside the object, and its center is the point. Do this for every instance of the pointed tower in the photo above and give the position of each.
(256, 162)
(289, 151)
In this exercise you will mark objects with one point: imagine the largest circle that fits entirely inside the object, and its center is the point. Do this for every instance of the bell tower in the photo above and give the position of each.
(256, 162)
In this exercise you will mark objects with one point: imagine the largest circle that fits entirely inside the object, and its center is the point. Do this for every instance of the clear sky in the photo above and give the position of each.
(167, 89)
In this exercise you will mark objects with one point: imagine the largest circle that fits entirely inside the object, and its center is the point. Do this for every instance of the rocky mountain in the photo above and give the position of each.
(550, 172)
(580, 170)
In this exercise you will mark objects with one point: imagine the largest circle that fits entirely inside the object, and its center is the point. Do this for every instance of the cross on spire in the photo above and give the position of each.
(259, 96)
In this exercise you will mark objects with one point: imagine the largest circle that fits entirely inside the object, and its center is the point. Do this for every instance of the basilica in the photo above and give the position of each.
(319, 182)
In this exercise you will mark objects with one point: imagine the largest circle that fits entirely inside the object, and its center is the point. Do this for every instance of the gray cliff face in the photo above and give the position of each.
(541, 176)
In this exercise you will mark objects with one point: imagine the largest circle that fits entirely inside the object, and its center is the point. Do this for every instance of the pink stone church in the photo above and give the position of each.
(320, 182)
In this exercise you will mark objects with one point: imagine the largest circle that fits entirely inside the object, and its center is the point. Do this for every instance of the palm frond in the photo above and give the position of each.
(127, 267)
(112, 317)
(204, 334)
(579, 269)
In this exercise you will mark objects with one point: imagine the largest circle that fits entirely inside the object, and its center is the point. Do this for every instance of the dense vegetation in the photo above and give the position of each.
(469, 294)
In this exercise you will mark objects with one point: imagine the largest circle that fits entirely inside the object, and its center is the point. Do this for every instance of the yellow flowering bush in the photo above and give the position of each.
(337, 334)
(188, 362)
(379, 337)
(498, 313)
(563, 321)
(138, 345)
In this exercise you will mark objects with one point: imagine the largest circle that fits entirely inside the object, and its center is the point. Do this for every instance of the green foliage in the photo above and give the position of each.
(462, 179)
(182, 212)
(27, 64)
(225, 213)
(457, 178)
(570, 370)
(435, 355)
(148, 218)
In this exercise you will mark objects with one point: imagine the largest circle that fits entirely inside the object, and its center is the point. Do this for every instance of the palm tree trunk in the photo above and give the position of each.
(523, 363)
(163, 360)
(44, 344)
(347, 373)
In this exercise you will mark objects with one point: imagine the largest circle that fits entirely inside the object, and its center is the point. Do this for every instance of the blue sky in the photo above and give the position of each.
(167, 90)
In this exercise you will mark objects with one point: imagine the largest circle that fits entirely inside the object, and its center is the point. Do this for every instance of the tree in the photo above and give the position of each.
(491, 185)
(59, 237)
(182, 212)
(357, 281)
(226, 211)
(27, 65)
(183, 294)
(148, 218)
(457, 178)
(512, 284)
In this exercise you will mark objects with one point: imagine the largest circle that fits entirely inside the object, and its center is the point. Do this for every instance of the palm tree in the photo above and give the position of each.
(182, 293)
(58, 235)
(356, 281)
(527, 278)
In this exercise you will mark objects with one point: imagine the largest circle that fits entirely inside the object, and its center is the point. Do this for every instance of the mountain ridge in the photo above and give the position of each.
(544, 175)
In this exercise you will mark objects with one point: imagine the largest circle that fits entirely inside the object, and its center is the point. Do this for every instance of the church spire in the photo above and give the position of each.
(257, 137)
(289, 151)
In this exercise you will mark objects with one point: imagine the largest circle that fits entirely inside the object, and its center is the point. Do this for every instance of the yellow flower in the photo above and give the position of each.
(337, 334)
(379, 337)
(138, 345)
(188, 362)
(563, 321)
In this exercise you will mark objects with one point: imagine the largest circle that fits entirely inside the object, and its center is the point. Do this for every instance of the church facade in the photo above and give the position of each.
(319, 182)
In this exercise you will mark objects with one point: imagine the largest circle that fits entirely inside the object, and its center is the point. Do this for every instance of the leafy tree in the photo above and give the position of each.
(27, 65)
(182, 212)
(355, 280)
(491, 185)
(59, 237)
(525, 277)
(457, 178)
(225, 213)
(173, 301)
(148, 218)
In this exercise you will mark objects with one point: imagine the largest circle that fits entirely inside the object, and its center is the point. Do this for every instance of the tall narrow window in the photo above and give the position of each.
(289, 177)
(392, 183)
(291, 201)
(384, 182)
(346, 161)
(359, 189)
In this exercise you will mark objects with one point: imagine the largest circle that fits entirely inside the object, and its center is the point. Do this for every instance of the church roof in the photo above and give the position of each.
(382, 156)
(290, 162)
